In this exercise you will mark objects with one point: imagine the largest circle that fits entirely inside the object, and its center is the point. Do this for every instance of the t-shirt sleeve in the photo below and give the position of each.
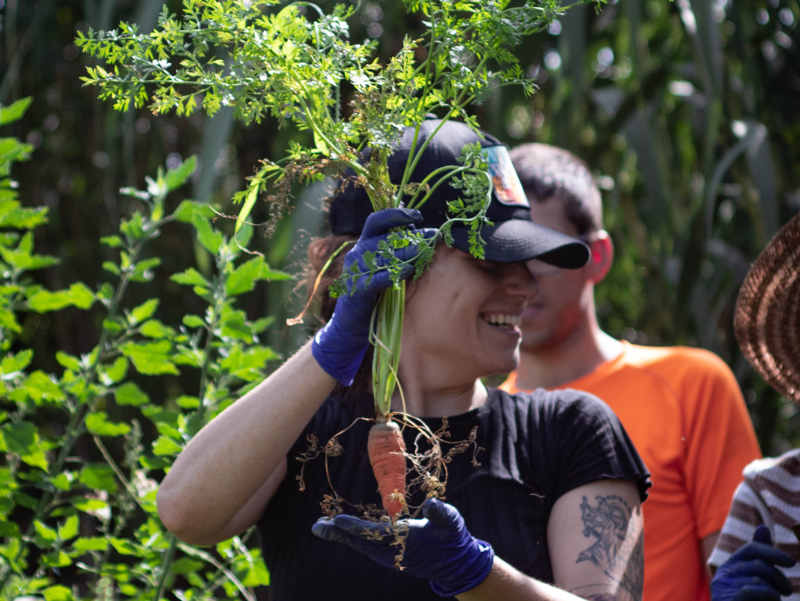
(587, 443)
(720, 440)
(740, 526)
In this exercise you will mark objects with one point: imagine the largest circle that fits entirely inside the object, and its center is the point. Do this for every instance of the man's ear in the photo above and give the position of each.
(601, 256)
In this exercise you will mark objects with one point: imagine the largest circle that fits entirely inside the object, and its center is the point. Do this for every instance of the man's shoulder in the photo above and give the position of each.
(675, 362)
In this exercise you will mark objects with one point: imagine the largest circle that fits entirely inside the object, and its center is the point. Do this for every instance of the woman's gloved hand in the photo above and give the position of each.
(749, 574)
(340, 346)
(438, 548)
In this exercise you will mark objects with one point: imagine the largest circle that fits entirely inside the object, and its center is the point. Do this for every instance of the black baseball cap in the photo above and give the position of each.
(513, 237)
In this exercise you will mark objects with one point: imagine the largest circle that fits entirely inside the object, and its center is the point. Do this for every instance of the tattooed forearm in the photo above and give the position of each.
(618, 549)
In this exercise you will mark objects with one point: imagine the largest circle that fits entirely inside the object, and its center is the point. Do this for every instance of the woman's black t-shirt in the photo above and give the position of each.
(536, 447)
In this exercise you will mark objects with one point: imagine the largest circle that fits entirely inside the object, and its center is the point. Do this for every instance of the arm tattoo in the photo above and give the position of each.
(617, 551)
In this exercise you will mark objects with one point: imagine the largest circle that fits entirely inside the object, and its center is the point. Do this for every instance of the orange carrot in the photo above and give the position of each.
(386, 452)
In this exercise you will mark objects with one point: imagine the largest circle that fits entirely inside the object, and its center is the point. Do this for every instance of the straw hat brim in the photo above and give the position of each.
(767, 312)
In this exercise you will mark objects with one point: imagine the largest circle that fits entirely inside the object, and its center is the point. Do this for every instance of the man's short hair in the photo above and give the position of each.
(547, 171)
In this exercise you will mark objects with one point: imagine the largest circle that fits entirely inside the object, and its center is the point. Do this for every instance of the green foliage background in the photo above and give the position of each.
(688, 112)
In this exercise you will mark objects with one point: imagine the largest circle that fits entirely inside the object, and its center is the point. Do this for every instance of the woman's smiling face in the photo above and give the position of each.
(462, 316)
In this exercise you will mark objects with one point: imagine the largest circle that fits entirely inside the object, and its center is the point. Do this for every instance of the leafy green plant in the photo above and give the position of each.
(50, 494)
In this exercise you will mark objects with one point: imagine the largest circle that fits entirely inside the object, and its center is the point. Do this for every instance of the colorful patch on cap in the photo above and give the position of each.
(508, 187)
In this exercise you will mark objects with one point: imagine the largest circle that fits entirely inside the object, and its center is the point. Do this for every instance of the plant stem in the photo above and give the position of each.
(165, 567)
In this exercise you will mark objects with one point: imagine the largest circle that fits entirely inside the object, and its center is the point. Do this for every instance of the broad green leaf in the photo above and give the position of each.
(44, 534)
(9, 321)
(144, 311)
(22, 259)
(159, 415)
(235, 327)
(68, 361)
(150, 358)
(9, 114)
(98, 423)
(9, 529)
(62, 481)
(244, 277)
(98, 476)
(257, 574)
(273, 274)
(77, 294)
(96, 507)
(260, 325)
(209, 238)
(126, 547)
(188, 402)
(190, 277)
(130, 394)
(57, 559)
(133, 228)
(142, 270)
(166, 446)
(112, 241)
(91, 543)
(156, 329)
(22, 438)
(112, 326)
(193, 321)
(69, 529)
(176, 178)
(13, 215)
(185, 565)
(41, 387)
(12, 364)
(58, 592)
(111, 267)
(187, 209)
(111, 374)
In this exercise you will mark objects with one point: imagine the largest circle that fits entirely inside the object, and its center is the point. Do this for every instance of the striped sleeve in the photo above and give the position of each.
(743, 520)
(768, 495)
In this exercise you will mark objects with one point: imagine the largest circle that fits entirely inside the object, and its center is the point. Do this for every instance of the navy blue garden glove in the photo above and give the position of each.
(749, 574)
(340, 346)
(439, 548)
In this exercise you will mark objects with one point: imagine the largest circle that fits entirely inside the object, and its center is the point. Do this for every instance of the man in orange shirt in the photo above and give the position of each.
(682, 407)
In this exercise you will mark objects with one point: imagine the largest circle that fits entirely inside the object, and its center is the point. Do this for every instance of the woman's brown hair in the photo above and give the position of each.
(318, 253)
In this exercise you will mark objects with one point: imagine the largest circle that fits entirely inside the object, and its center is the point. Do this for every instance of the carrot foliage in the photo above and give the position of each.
(290, 63)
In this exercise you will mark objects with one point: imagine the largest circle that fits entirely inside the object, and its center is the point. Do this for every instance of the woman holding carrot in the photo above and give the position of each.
(554, 495)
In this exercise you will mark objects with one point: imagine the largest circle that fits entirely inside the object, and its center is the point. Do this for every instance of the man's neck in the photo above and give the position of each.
(577, 355)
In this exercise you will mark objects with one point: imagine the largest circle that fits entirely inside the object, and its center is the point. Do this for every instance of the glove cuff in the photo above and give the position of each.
(473, 575)
(340, 363)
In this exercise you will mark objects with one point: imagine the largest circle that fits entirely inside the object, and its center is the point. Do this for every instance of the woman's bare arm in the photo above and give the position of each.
(595, 538)
(225, 476)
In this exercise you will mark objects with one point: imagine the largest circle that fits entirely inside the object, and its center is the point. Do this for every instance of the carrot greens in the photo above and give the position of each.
(290, 63)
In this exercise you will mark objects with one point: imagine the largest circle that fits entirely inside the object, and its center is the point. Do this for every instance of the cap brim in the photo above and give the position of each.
(520, 240)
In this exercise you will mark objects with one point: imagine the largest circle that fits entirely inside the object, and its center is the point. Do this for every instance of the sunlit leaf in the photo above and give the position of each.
(130, 394)
(150, 358)
(9, 114)
(77, 294)
(176, 178)
(209, 238)
(98, 476)
(97, 423)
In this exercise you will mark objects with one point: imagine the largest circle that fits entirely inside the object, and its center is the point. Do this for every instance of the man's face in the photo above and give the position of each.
(563, 294)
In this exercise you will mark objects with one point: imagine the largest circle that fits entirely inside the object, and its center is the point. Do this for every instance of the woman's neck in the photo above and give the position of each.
(424, 399)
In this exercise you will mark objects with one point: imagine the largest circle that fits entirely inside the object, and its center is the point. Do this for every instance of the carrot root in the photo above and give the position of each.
(386, 450)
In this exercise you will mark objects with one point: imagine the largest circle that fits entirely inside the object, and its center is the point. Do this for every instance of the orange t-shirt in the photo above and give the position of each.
(684, 412)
